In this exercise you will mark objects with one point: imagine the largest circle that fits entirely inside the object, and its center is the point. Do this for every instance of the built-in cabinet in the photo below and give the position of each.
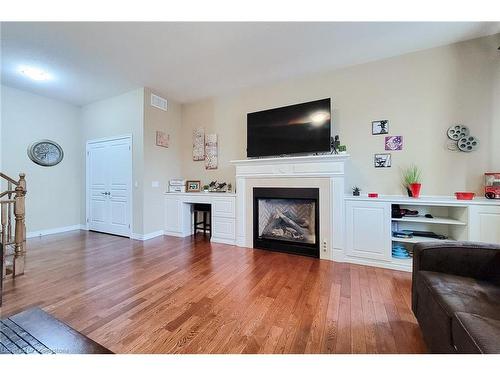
(368, 230)
(179, 216)
(369, 226)
(484, 224)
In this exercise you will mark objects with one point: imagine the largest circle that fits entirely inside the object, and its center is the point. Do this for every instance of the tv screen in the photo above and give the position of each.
(295, 129)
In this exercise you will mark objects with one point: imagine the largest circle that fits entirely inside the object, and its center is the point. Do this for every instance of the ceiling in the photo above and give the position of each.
(90, 61)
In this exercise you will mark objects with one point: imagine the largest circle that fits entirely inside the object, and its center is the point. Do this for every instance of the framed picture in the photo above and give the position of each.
(162, 139)
(193, 186)
(393, 143)
(380, 127)
(382, 160)
(198, 144)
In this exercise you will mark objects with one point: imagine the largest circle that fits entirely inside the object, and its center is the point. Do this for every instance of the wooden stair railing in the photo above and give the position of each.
(13, 228)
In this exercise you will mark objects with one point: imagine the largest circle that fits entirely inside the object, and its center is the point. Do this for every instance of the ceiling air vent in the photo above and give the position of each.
(158, 102)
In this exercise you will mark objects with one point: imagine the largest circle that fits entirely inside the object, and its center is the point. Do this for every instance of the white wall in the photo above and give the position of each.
(421, 93)
(116, 116)
(160, 164)
(54, 193)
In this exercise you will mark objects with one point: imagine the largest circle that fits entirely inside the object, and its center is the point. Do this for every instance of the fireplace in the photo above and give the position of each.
(286, 220)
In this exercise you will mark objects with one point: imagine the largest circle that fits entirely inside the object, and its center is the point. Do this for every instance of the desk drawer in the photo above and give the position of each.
(223, 207)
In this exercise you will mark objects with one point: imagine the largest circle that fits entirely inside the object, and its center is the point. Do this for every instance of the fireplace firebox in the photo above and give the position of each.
(286, 220)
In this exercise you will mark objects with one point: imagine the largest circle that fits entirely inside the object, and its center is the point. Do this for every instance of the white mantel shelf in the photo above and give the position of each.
(298, 166)
(293, 159)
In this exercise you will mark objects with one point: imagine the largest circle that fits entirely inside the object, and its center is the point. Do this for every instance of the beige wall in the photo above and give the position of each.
(495, 128)
(422, 94)
(160, 164)
(116, 116)
(53, 199)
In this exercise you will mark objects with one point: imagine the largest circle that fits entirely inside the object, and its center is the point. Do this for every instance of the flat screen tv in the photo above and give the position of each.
(295, 129)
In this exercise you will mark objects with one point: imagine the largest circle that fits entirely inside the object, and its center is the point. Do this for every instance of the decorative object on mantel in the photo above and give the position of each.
(211, 153)
(393, 143)
(382, 160)
(177, 186)
(193, 186)
(162, 139)
(229, 188)
(372, 195)
(206, 188)
(380, 127)
(355, 191)
(198, 144)
(461, 139)
(217, 187)
(492, 185)
(412, 177)
(464, 195)
(46, 153)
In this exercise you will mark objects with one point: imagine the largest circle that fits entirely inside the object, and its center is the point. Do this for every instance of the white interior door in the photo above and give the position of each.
(109, 177)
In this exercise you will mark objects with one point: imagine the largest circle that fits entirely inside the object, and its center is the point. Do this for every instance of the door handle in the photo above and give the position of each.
(106, 193)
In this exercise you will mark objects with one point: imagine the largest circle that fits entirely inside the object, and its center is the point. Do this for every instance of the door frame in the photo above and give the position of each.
(87, 195)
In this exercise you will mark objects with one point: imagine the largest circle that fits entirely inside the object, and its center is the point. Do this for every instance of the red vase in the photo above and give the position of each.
(415, 190)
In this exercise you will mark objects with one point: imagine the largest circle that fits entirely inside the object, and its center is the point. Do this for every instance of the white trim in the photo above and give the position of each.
(46, 232)
(87, 201)
(340, 257)
(148, 236)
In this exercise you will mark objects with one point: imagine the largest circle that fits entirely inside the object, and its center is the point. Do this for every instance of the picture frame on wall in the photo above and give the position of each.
(393, 143)
(193, 186)
(382, 160)
(380, 127)
(162, 139)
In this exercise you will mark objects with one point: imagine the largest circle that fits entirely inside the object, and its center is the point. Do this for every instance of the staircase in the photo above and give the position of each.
(13, 229)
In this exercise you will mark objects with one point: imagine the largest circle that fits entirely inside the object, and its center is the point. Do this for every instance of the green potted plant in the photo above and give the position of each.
(412, 178)
(205, 188)
(355, 191)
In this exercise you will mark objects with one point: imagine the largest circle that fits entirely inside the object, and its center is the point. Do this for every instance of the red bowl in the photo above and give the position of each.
(464, 195)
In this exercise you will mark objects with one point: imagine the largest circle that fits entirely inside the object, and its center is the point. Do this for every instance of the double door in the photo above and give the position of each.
(109, 184)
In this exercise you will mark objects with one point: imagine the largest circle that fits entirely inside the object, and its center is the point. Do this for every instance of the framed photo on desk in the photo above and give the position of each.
(193, 186)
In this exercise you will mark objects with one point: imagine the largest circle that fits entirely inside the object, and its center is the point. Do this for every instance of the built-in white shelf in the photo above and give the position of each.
(427, 220)
(416, 239)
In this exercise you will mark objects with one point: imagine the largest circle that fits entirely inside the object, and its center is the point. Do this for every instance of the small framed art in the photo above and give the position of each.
(193, 186)
(382, 160)
(380, 127)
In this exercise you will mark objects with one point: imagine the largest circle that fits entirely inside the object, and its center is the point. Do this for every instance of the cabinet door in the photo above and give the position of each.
(484, 224)
(368, 230)
(173, 214)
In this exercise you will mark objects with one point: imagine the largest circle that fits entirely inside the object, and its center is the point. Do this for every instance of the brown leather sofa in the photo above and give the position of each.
(456, 296)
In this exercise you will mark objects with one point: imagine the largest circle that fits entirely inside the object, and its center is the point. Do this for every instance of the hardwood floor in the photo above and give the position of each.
(172, 295)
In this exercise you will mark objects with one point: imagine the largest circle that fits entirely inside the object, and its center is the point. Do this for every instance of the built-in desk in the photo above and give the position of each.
(179, 217)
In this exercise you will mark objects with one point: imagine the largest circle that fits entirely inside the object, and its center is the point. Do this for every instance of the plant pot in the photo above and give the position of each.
(355, 193)
(408, 191)
(415, 190)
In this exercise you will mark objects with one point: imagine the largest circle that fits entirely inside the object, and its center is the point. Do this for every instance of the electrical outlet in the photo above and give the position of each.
(325, 245)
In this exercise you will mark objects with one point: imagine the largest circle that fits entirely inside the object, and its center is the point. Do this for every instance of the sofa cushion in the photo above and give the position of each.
(473, 333)
(462, 294)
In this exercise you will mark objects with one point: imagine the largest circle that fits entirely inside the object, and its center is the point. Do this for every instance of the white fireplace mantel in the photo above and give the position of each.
(325, 172)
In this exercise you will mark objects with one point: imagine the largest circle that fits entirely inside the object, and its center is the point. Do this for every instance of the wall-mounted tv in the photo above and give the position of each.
(295, 129)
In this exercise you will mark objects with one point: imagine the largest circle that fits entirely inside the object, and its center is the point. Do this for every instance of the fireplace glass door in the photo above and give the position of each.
(287, 220)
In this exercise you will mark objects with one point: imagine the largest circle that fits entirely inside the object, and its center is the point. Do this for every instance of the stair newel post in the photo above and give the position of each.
(20, 229)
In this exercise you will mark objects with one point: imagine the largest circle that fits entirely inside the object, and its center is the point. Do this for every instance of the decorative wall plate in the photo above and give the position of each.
(46, 153)
(458, 131)
(468, 144)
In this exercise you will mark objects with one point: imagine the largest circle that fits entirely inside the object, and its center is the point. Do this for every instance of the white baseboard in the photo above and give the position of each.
(148, 236)
(339, 256)
(46, 232)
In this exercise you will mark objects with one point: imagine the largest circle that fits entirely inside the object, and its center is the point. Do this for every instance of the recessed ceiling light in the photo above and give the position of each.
(35, 73)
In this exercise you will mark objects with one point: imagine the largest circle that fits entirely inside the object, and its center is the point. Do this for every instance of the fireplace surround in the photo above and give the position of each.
(323, 172)
(286, 220)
